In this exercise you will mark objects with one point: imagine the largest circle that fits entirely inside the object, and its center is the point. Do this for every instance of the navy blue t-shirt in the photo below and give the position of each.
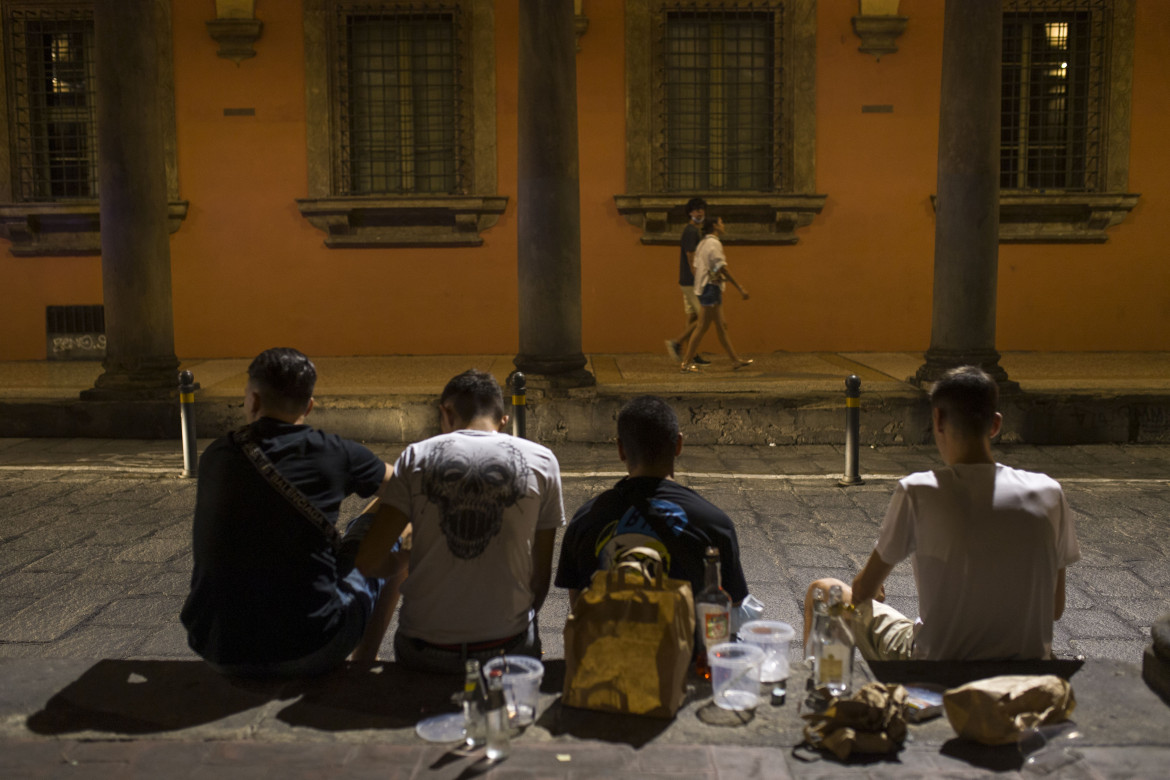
(265, 583)
(613, 521)
(688, 243)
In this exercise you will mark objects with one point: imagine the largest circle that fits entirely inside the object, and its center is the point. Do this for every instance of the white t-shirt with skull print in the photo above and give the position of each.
(476, 500)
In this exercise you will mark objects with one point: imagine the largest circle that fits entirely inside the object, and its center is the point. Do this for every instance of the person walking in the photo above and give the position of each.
(696, 209)
(711, 273)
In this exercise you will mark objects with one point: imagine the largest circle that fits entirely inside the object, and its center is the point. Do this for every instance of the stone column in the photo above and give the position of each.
(136, 257)
(548, 202)
(966, 233)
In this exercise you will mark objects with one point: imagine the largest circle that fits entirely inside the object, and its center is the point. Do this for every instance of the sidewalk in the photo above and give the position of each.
(784, 398)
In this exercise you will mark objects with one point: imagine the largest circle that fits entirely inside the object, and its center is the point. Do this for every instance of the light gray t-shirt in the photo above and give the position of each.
(986, 542)
(476, 500)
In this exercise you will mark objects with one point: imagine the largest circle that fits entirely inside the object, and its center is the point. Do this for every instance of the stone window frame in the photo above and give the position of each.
(766, 218)
(1083, 217)
(367, 221)
(71, 226)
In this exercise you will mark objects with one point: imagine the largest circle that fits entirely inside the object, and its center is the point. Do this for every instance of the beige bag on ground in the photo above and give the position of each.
(994, 711)
(629, 638)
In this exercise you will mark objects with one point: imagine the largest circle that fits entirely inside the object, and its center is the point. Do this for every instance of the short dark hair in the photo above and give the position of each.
(472, 394)
(284, 378)
(709, 225)
(696, 203)
(969, 397)
(648, 430)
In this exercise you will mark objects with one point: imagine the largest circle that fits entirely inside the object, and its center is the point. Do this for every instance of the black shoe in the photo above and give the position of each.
(702, 361)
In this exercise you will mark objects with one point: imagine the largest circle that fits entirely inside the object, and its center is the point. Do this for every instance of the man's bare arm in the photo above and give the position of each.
(374, 558)
(542, 555)
(870, 581)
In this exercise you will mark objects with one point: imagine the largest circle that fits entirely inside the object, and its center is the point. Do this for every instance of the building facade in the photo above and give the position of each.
(344, 180)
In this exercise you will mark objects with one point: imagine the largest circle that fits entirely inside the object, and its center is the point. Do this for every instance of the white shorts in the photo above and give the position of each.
(690, 301)
(882, 633)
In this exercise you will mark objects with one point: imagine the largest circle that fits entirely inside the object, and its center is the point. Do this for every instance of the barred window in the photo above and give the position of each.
(719, 99)
(1055, 68)
(400, 103)
(53, 114)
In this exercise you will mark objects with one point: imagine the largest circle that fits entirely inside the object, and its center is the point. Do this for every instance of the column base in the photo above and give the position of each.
(555, 372)
(938, 362)
(151, 379)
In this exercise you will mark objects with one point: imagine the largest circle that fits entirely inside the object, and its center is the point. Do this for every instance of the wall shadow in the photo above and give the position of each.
(145, 697)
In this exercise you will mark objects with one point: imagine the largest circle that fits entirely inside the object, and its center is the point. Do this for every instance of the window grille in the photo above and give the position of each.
(52, 102)
(401, 106)
(720, 98)
(1055, 55)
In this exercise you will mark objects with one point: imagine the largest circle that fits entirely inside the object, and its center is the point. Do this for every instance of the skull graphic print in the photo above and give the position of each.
(473, 492)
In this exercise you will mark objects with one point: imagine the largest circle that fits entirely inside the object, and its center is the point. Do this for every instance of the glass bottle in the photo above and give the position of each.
(834, 663)
(712, 614)
(498, 736)
(474, 725)
(819, 618)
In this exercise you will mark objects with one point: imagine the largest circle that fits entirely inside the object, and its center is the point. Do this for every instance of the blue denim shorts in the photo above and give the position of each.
(357, 595)
(712, 295)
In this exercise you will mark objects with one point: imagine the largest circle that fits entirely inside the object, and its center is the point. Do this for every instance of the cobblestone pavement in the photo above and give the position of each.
(95, 554)
(95, 560)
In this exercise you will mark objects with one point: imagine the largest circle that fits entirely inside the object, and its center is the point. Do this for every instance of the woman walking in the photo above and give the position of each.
(710, 274)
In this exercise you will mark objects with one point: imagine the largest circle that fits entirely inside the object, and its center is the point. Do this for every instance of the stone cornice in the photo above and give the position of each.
(751, 218)
(436, 220)
(63, 228)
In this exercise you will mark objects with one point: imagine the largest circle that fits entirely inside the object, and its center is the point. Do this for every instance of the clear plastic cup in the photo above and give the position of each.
(735, 675)
(521, 677)
(774, 638)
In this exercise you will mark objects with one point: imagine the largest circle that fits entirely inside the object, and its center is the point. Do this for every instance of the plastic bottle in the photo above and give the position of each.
(498, 736)
(834, 664)
(712, 614)
(474, 724)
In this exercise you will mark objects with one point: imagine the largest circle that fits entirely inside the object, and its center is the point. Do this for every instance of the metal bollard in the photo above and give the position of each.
(519, 404)
(187, 416)
(852, 432)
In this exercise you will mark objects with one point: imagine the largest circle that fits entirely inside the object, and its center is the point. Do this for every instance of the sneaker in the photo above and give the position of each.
(672, 350)
(702, 361)
(742, 364)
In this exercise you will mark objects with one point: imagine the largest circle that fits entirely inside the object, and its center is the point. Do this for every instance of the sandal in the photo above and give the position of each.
(690, 368)
(742, 364)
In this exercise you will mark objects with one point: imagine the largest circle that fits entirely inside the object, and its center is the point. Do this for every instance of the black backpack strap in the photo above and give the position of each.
(246, 441)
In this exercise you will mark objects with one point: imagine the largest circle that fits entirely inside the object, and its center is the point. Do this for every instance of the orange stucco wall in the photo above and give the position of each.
(249, 272)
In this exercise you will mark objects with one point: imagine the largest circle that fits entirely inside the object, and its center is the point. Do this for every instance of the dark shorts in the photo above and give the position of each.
(357, 594)
(711, 295)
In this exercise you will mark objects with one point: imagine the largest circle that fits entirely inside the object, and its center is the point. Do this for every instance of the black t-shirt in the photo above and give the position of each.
(265, 583)
(613, 520)
(688, 243)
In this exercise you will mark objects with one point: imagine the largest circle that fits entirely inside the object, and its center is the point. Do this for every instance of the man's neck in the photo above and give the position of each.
(658, 472)
(482, 423)
(969, 453)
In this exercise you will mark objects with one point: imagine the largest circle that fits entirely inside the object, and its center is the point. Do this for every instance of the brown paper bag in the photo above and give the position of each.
(629, 638)
(994, 711)
(872, 720)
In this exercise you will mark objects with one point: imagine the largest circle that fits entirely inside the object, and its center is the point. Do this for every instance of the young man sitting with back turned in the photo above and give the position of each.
(274, 591)
(485, 507)
(649, 509)
(989, 545)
